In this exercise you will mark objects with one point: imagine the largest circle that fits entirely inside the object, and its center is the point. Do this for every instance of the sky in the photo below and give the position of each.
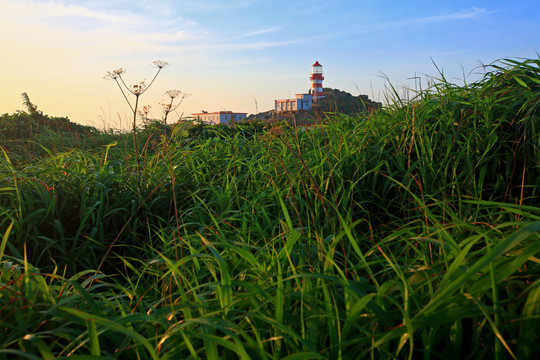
(240, 55)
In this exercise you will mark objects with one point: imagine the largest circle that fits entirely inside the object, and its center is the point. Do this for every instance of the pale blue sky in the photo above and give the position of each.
(232, 55)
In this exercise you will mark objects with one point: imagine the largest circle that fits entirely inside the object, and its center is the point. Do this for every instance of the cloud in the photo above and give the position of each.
(391, 25)
(460, 15)
(264, 31)
(67, 28)
(51, 12)
(207, 6)
(55, 32)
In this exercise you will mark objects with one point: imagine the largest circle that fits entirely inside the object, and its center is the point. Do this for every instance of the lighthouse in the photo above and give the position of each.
(316, 81)
(304, 101)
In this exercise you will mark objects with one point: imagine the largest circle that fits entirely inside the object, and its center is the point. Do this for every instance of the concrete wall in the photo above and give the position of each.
(301, 102)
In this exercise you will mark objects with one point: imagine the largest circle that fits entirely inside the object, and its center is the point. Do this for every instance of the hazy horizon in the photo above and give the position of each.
(240, 55)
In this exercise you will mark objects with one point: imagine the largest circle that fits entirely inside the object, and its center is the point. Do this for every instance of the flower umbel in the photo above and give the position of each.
(173, 93)
(168, 105)
(115, 74)
(160, 64)
(139, 88)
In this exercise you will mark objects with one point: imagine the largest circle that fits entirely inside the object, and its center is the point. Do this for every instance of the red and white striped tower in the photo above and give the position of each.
(316, 81)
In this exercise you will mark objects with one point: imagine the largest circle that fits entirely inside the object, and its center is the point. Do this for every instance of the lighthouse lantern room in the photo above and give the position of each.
(316, 81)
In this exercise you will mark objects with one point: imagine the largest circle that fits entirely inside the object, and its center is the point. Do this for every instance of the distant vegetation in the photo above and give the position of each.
(337, 101)
(25, 134)
(411, 231)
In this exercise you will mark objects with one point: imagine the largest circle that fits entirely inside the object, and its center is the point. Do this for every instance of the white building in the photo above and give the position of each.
(301, 102)
(220, 117)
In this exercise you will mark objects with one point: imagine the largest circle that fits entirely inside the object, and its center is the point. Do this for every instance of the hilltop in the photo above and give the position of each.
(342, 102)
(335, 101)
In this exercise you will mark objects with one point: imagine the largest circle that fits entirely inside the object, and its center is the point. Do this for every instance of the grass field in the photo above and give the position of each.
(411, 232)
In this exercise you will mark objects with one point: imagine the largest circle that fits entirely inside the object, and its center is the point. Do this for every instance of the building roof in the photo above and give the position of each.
(295, 99)
(219, 112)
(316, 64)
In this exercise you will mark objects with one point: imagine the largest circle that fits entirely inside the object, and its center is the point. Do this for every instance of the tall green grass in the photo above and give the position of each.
(411, 232)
